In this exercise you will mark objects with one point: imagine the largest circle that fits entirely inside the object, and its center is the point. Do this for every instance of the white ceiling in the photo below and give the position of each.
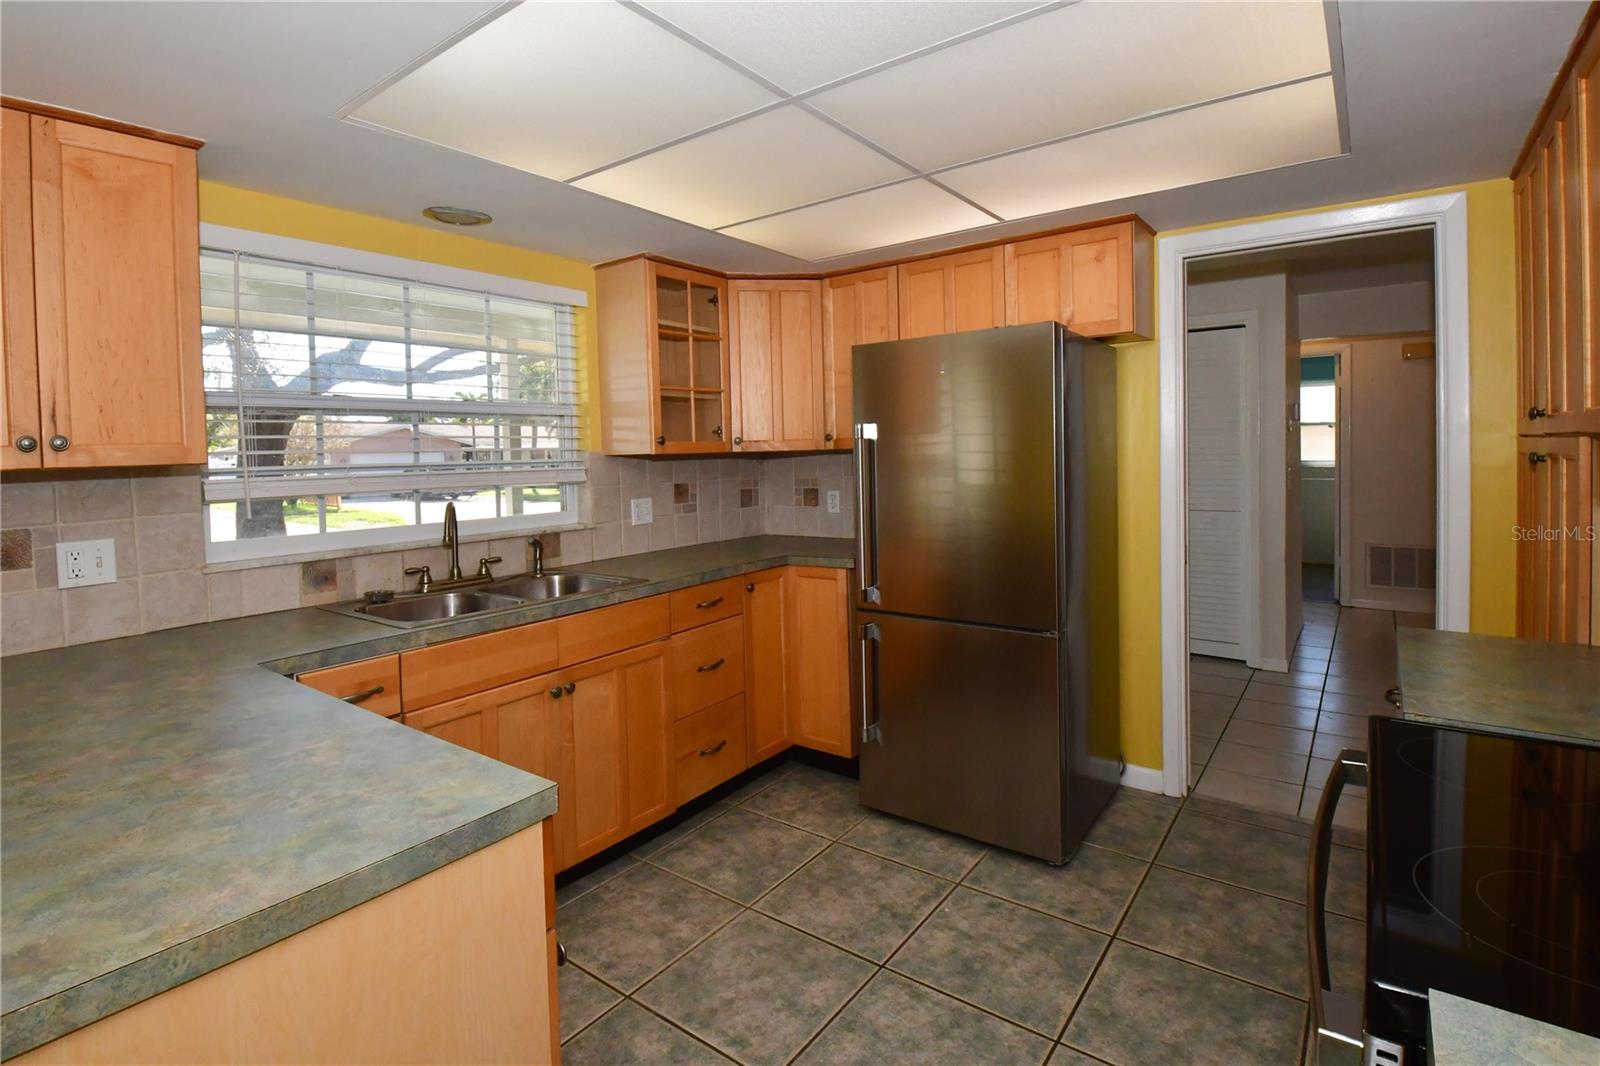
(1036, 99)
(1435, 93)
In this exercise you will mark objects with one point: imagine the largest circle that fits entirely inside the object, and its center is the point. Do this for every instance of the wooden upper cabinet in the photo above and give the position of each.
(860, 308)
(663, 359)
(1096, 281)
(765, 683)
(776, 362)
(1555, 502)
(952, 293)
(19, 359)
(116, 279)
(1557, 198)
(816, 650)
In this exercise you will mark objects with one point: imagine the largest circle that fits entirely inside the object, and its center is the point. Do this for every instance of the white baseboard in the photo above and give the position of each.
(1142, 777)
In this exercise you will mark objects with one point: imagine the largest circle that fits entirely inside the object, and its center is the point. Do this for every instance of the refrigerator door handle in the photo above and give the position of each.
(870, 638)
(867, 510)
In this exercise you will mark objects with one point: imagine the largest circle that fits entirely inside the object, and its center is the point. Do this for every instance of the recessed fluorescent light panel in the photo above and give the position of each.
(812, 128)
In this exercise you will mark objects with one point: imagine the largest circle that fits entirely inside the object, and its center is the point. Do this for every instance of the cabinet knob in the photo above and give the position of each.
(738, 440)
(59, 443)
(718, 432)
(827, 438)
(561, 953)
(1535, 458)
(555, 693)
(661, 440)
(27, 444)
(749, 586)
(1537, 412)
(568, 687)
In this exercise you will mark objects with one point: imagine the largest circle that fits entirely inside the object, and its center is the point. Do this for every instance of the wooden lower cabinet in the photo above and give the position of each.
(766, 686)
(816, 650)
(371, 684)
(1556, 546)
(705, 666)
(710, 747)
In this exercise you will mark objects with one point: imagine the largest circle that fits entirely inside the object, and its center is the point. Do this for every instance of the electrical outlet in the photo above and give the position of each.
(640, 510)
(833, 501)
(86, 562)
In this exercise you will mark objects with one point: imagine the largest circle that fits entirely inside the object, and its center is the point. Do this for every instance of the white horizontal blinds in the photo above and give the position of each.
(322, 381)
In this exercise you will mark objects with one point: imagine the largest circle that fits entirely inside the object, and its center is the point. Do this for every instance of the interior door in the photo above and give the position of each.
(958, 475)
(1221, 473)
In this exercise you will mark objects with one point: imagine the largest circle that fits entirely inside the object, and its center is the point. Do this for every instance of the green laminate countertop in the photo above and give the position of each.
(1467, 1033)
(174, 801)
(1521, 687)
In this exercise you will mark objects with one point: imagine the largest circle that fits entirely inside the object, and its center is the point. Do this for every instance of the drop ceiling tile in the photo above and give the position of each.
(800, 45)
(558, 89)
(1077, 69)
(877, 218)
(772, 162)
(1293, 124)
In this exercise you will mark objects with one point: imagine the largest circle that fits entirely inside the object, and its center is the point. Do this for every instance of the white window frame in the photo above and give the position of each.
(354, 542)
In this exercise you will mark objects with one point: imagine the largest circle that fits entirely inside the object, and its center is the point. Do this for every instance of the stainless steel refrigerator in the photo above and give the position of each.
(985, 606)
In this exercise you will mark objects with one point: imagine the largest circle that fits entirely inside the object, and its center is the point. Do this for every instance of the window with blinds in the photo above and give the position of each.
(347, 407)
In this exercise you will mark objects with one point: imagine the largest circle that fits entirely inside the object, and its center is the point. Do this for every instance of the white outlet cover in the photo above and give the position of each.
(640, 510)
(833, 501)
(86, 562)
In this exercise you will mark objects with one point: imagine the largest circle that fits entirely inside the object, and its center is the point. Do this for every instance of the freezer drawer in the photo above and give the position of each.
(962, 730)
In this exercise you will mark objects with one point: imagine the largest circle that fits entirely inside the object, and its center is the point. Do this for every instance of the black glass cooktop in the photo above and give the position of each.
(1484, 876)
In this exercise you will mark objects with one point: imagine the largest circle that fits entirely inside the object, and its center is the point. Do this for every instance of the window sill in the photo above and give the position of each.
(223, 566)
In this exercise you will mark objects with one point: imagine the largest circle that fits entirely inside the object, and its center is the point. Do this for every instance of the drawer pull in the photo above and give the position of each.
(705, 604)
(362, 697)
(713, 749)
(708, 667)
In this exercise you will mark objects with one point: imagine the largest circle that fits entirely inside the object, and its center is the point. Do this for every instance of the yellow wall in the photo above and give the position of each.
(226, 205)
(1491, 280)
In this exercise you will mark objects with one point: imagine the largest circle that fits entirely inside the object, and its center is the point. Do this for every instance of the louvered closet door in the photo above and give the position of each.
(1220, 471)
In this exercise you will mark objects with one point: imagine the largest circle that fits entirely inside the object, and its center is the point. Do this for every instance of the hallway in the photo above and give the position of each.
(1266, 740)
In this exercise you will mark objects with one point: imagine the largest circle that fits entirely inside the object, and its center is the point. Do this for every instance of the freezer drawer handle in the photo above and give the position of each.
(708, 667)
(871, 728)
(867, 510)
(1335, 1016)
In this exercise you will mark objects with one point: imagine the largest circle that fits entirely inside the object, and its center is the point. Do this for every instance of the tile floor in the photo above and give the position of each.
(786, 923)
(1266, 739)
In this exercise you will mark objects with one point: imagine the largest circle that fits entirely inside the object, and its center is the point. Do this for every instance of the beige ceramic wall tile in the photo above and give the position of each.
(102, 612)
(27, 504)
(31, 621)
(269, 588)
(166, 495)
(173, 599)
(93, 500)
(223, 596)
(169, 542)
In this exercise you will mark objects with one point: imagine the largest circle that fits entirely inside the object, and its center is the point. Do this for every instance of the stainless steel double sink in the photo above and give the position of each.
(507, 594)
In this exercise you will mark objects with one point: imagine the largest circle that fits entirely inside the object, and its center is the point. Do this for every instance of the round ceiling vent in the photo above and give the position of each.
(457, 216)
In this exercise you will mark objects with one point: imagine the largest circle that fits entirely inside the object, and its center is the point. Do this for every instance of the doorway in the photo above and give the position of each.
(1440, 222)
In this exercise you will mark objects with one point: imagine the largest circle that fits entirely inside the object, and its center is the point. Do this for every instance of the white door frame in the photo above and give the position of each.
(1250, 398)
(1447, 215)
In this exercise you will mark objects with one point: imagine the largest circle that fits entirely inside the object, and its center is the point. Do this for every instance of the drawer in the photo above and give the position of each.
(591, 634)
(705, 666)
(462, 667)
(710, 748)
(707, 603)
(375, 681)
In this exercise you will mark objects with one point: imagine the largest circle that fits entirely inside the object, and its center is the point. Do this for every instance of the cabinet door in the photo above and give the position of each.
(1554, 509)
(371, 684)
(765, 686)
(616, 745)
(472, 722)
(19, 361)
(117, 290)
(688, 316)
(1584, 390)
(817, 649)
(1086, 279)
(776, 364)
(860, 308)
(952, 293)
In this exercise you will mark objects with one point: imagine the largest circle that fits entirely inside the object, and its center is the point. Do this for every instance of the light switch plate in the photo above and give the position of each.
(833, 501)
(86, 562)
(640, 510)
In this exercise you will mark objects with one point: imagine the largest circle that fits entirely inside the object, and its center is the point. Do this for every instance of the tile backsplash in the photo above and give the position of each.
(155, 521)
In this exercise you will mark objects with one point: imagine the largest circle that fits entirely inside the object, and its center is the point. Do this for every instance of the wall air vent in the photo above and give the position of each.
(1395, 566)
